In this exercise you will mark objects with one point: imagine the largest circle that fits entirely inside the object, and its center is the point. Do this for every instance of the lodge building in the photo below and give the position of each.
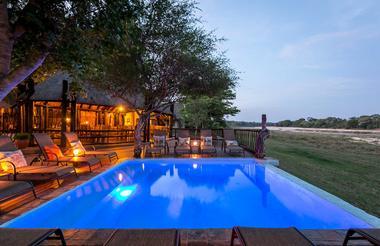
(97, 118)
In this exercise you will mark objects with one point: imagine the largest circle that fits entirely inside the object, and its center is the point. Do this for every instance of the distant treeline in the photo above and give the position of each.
(362, 122)
(233, 124)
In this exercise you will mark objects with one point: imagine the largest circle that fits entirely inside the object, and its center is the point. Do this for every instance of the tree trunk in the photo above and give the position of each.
(138, 134)
(6, 41)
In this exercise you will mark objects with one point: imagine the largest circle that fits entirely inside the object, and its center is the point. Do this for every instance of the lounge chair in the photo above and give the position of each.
(269, 236)
(206, 145)
(371, 235)
(52, 153)
(12, 189)
(144, 237)
(231, 146)
(183, 143)
(12, 237)
(12, 161)
(75, 143)
(158, 144)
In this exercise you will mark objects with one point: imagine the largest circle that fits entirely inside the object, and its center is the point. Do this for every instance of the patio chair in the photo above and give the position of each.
(158, 145)
(182, 146)
(12, 161)
(206, 145)
(12, 237)
(144, 237)
(371, 235)
(230, 144)
(269, 236)
(12, 189)
(75, 143)
(52, 153)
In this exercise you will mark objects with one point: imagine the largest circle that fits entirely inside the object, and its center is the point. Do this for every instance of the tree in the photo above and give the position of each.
(208, 112)
(163, 56)
(58, 30)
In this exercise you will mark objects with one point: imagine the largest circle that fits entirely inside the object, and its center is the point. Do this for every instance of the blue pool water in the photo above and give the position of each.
(188, 193)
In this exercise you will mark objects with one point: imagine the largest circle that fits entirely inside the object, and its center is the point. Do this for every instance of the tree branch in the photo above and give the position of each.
(20, 73)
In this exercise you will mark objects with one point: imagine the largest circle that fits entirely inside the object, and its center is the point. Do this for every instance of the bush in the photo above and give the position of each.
(22, 136)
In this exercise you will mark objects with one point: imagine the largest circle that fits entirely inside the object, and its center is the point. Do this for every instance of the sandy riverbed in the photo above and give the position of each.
(354, 135)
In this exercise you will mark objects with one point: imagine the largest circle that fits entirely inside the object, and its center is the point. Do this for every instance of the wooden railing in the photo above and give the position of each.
(245, 137)
(105, 136)
(95, 136)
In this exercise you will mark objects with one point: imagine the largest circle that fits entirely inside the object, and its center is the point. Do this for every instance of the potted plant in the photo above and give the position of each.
(22, 140)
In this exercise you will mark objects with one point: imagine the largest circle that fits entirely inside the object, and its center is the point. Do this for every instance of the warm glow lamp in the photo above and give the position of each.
(76, 152)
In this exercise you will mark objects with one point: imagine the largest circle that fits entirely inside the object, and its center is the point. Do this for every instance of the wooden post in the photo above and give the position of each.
(260, 139)
(147, 130)
(263, 121)
(73, 115)
(46, 115)
(29, 106)
(64, 104)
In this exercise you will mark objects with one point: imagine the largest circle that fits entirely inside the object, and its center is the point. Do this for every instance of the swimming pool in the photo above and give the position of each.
(189, 193)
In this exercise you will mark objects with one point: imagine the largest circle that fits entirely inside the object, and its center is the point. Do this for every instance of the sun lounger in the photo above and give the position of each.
(206, 145)
(269, 236)
(371, 235)
(52, 153)
(158, 145)
(231, 146)
(12, 161)
(23, 237)
(12, 189)
(183, 143)
(75, 143)
(144, 237)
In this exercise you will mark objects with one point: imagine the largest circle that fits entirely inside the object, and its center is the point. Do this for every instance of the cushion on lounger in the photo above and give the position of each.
(78, 145)
(206, 141)
(52, 151)
(159, 141)
(231, 143)
(183, 141)
(16, 157)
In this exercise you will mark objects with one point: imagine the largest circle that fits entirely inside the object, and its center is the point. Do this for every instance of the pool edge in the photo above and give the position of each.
(357, 212)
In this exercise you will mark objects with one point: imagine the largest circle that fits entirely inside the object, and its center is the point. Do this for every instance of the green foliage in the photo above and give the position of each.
(162, 56)
(22, 136)
(362, 122)
(234, 124)
(72, 31)
(206, 112)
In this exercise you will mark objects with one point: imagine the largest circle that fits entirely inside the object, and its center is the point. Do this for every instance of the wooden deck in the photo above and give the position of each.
(48, 191)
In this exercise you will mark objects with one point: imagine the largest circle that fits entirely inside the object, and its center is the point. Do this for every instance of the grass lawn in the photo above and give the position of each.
(346, 169)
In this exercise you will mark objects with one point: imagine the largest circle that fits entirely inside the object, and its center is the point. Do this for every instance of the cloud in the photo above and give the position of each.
(297, 48)
(351, 11)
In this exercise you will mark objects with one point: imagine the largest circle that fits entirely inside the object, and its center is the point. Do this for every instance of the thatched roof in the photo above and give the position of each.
(4, 105)
(51, 90)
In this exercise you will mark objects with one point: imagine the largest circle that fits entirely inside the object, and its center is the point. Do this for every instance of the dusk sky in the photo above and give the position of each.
(300, 58)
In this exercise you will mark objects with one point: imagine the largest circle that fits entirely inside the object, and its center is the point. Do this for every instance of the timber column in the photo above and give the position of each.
(29, 106)
(64, 105)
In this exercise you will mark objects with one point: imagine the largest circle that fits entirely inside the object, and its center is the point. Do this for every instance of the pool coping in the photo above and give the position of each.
(357, 212)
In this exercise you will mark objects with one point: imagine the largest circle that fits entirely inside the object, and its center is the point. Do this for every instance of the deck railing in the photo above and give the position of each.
(245, 137)
(95, 136)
